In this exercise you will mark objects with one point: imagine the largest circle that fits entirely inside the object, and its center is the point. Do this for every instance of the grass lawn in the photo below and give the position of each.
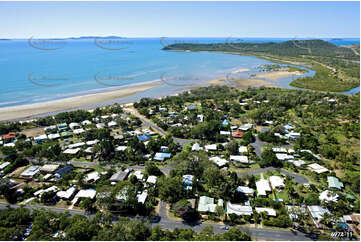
(282, 195)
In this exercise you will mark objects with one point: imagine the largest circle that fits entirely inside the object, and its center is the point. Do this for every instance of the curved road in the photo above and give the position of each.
(167, 223)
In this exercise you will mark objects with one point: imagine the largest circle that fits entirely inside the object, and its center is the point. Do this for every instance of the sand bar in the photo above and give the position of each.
(275, 75)
(28, 110)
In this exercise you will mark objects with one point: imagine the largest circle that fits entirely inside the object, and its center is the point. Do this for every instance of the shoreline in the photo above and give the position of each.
(27, 111)
(50, 108)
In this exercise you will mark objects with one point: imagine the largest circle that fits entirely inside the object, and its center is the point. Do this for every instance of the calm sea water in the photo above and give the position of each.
(37, 71)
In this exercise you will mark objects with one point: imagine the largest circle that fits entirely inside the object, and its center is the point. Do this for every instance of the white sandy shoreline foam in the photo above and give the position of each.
(29, 110)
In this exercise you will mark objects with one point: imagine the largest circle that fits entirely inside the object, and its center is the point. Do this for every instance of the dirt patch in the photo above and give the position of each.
(33, 132)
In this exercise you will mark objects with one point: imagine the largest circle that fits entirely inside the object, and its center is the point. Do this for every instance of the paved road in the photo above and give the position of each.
(297, 178)
(257, 145)
(167, 223)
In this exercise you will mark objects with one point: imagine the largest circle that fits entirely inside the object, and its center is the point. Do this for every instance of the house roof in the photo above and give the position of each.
(328, 196)
(219, 161)
(276, 181)
(142, 197)
(31, 171)
(71, 151)
(245, 190)
(206, 204)
(161, 156)
(317, 212)
(152, 179)
(237, 134)
(196, 147)
(333, 182)
(263, 187)
(317, 168)
(119, 176)
(243, 149)
(269, 211)
(238, 209)
(239, 158)
(49, 168)
(88, 193)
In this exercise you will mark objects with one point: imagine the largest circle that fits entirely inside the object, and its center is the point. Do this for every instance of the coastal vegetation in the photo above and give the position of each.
(337, 68)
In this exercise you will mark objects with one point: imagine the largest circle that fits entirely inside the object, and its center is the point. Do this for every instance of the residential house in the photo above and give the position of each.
(49, 168)
(263, 187)
(276, 182)
(162, 156)
(328, 196)
(30, 172)
(64, 170)
(247, 191)
(317, 168)
(333, 182)
(206, 204)
(238, 209)
(269, 211)
(187, 182)
(219, 161)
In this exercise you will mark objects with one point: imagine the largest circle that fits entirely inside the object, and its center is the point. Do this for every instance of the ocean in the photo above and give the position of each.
(36, 71)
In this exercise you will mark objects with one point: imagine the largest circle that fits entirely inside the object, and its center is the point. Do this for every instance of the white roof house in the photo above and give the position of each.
(246, 127)
(92, 176)
(317, 212)
(3, 165)
(263, 187)
(76, 145)
(317, 168)
(281, 156)
(240, 158)
(49, 168)
(138, 174)
(243, 149)
(298, 163)
(212, 147)
(74, 125)
(142, 197)
(66, 194)
(92, 142)
(196, 147)
(100, 125)
(279, 150)
(86, 122)
(152, 179)
(219, 161)
(30, 172)
(293, 211)
(224, 132)
(88, 193)
(245, 190)
(269, 211)
(78, 131)
(206, 204)
(327, 196)
(276, 182)
(71, 151)
(121, 148)
(238, 209)
(112, 124)
(54, 136)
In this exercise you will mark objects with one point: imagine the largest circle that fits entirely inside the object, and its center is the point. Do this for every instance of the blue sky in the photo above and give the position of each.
(180, 19)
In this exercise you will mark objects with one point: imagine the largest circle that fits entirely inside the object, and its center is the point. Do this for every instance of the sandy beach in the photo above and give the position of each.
(241, 83)
(275, 75)
(29, 110)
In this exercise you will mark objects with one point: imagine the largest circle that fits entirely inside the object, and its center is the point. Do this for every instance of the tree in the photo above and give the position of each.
(152, 169)
(220, 211)
(170, 189)
(87, 204)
